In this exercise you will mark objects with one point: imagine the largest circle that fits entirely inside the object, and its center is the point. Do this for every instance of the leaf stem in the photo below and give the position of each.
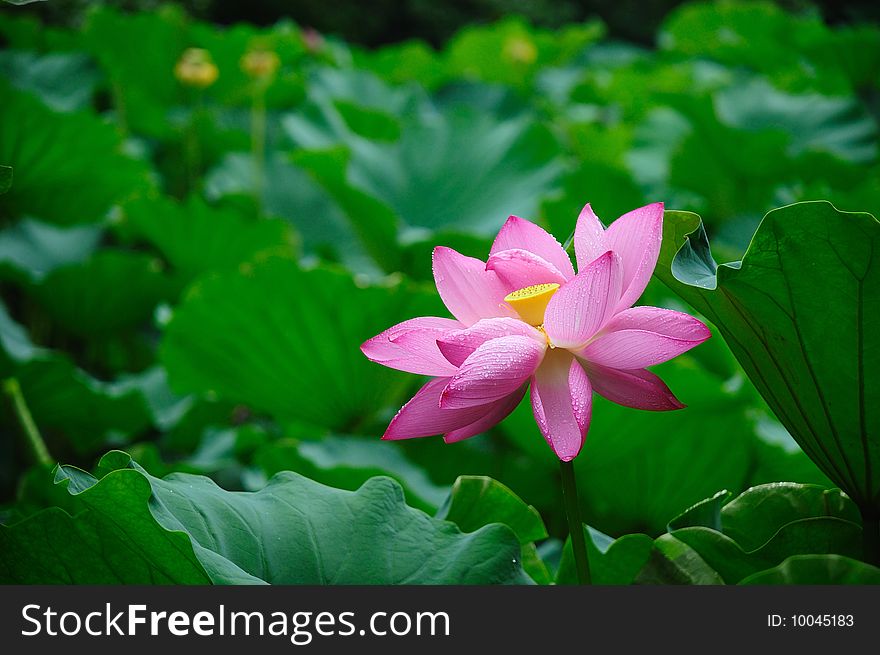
(29, 429)
(871, 536)
(575, 525)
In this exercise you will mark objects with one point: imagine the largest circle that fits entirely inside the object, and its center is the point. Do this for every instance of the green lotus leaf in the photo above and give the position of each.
(799, 314)
(184, 529)
(69, 168)
(285, 341)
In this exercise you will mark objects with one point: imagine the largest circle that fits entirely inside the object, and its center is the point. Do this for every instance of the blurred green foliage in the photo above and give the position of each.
(389, 21)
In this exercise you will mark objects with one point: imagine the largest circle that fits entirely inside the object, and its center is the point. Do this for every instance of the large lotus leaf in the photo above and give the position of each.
(113, 291)
(453, 168)
(144, 88)
(67, 403)
(702, 556)
(291, 193)
(221, 454)
(531, 479)
(799, 313)
(286, 341)
(817, 570)
(30, 249)
(706, 513)
(838, 125)
(87, 412)
(15, 343)
(364, 141)
(196, 238)
(5, 178)
(766, 524)
(296, 531)
(461, 170)
(755, 516)
(167, 408)
(612, 561)
(186, 529)
(346, 462)
(739, 156)
(655, 140)
(778, 456)
(476, 501)
(368, 229)
(733, 171)
(112, 539)
(69, 168)
(65, 82)
(672, 561)
(352, 91)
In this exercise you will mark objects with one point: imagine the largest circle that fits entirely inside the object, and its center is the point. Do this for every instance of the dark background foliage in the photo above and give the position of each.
(380, 22)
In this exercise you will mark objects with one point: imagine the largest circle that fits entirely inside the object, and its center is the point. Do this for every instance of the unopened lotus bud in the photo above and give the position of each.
(196, 68)
(260, 64)
(520, 50)
(312, 39)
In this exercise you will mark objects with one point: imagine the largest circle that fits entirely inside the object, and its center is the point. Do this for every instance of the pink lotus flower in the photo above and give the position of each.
(525, 319)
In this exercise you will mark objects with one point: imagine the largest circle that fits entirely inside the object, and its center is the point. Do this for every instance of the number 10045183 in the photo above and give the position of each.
(811, 621)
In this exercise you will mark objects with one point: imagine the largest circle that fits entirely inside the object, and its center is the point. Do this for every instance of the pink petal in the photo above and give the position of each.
(562, 403)
(581, 395)
(457, 346)
(518, 269)
(636, 237)
(589, 238)
(644, 336)
(422, 416)
(637, 388)
(494, 370)
(584, 304)
(500, 411)
(411, 346)
(468, 290)
(520, 234)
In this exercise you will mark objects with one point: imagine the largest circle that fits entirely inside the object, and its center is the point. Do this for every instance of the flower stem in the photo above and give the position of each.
(192, 147)
(871, 536)
(575, 525)
(29, 430)
(258, 142)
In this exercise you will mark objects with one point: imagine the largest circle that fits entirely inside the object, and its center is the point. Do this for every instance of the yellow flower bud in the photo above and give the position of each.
(260, 64)
(520, 50)
(196, 68)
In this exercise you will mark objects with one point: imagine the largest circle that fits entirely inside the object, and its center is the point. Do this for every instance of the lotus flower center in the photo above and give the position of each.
(531, 302)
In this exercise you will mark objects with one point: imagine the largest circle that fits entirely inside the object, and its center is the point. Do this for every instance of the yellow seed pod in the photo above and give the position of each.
(531, 302)
(260, 64)
(196, 68)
